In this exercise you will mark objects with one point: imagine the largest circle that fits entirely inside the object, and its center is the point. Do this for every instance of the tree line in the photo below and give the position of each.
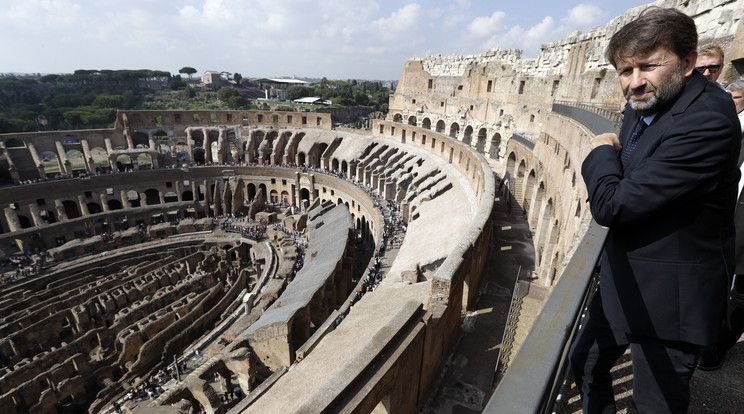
(90, 98)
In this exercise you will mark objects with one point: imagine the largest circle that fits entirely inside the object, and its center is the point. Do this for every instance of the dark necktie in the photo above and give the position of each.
(633, 141)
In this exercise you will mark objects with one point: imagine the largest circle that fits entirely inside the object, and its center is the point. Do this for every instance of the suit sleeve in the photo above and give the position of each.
(692, 159)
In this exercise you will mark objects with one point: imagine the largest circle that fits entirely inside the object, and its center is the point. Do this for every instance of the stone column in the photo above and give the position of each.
(104, 202)
(61, 214)
(36, 214)
(207, 147)
(11, 216)
(83, 206)
(37, 161)
(90, 165)
(64, 163)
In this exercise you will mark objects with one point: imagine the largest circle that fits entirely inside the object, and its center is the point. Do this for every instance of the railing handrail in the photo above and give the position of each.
(535, 374)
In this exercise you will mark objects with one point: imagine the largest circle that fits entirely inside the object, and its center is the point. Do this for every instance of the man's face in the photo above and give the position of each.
(653, 79)
(710, 66)
(738, 97)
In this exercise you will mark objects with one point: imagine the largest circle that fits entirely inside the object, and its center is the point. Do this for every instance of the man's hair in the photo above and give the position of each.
(711, 50)
(655, 27)
(736, 85)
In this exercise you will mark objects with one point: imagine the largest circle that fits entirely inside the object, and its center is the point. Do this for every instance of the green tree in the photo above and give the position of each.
(237, 78)
(297, 92)
(187, 70)
(188, 92)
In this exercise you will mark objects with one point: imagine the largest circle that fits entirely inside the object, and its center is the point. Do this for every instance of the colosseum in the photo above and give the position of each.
(269, 262)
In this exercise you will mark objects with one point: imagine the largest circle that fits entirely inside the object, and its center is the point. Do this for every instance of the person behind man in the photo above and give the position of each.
(736, 89)
(666, 188)
(733, 326)
(710, 62)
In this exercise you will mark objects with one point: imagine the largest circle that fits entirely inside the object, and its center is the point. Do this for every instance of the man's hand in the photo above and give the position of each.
(606, 139)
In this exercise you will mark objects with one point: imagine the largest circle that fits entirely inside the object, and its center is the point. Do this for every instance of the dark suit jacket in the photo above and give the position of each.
(670, 249)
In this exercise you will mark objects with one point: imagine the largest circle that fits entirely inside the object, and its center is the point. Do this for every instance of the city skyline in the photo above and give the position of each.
(359, 39)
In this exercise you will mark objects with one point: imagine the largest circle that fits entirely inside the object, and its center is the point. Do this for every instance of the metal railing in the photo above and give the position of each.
(537, 372)
(599, 120)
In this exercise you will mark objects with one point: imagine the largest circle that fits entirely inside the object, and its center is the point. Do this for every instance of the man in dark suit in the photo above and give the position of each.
(666, 189)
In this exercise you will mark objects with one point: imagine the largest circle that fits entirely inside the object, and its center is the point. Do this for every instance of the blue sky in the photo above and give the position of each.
(338, 39)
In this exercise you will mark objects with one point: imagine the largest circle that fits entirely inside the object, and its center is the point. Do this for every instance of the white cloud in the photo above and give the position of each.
(487, 26)
(584, 15)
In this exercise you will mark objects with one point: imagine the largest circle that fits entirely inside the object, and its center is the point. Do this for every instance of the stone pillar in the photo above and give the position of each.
(11, 216)
(207, 147)
(64, 163)
(190, 143)
(179, 190)
(36, 214)
(104, 202)
(83, 206)
(162, 197)
(109, 149)
(90, 165)
(61, 214)
(37, 161)
(221, 144)
(125, 200)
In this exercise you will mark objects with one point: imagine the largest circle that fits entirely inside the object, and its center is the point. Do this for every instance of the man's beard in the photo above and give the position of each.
(663, 93)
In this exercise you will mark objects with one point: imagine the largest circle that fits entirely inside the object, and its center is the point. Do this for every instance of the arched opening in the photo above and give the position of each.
(140, 140)
(467, 135)
(426, 123)
(152, 196)
(251, 191)
(397, 118)
(344, 167)
(274, 197)
(71, 209)
(198, 137)
(440, 126)
(285, 197)
(94, 208)
(301, 159)
(412, 120)
(114, 204)
(305, 194)
(199, 156)
(160, 135)
(454, 130)
(493, 152)
(334, 165)
(25, 222)
(481, 144)
(124, 162)
(170, 197)
(133, 198)
(187, 195)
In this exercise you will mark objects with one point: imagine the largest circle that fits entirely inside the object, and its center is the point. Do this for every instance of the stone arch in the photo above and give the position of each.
(160, 135)
(481, 143)
(301, 158)
(426, 123)
(251, 191)
(114, 204)
(454, 130)
(274, 197)
(94, 208)
(199, 156)
(519, 173)
(305, 194)
(493, 152)
(440, 126)
(71, 209)
(24, 221)
(198, 137)
(123, 162)
(412, 120)
(334, 164)
(152, 196)
(529, 190)
(511, 162)
(187, 195)
(467, 135)
(285, 197)
(397, 118)
(344, 167)
(140, 140)
(539, 198)
(170, 197)
(544, 230)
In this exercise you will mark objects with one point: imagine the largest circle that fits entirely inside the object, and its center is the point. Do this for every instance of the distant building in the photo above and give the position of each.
(212, 78)
(312, 100)
(277, 87)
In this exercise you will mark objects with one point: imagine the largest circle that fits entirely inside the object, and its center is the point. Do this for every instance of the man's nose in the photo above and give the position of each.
(638, 79)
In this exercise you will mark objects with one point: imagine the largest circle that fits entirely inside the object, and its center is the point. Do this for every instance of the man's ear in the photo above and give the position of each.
(688, 63)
